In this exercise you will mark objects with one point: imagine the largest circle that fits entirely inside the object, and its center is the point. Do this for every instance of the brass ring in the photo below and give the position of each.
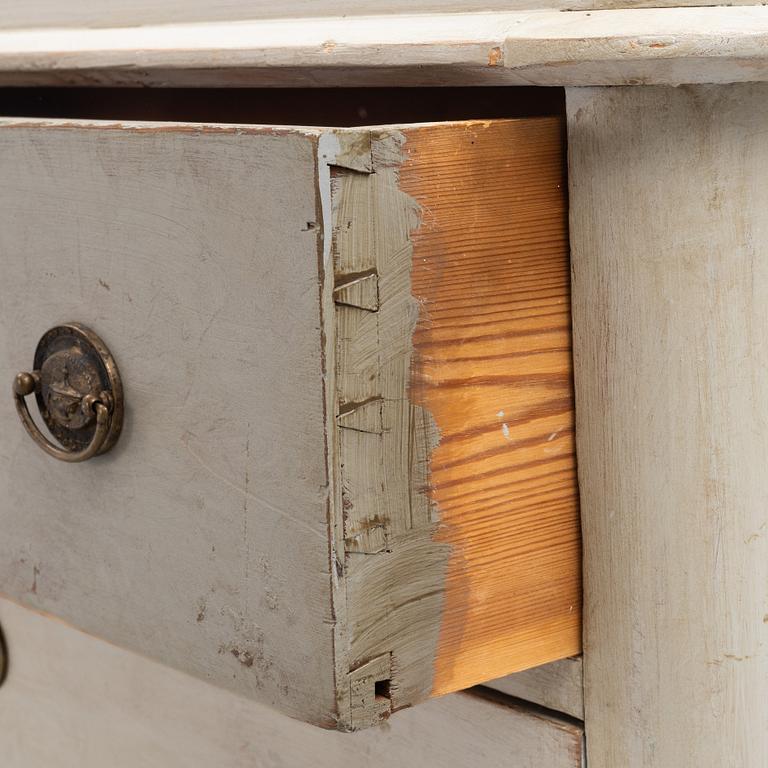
(21, 390)
(78, 391)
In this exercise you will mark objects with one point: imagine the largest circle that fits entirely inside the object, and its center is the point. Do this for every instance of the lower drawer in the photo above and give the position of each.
(345, 480)
(73, 700)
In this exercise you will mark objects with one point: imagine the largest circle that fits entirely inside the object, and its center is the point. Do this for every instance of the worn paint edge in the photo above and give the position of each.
(155, 126)
(327, 151)
(389, 569)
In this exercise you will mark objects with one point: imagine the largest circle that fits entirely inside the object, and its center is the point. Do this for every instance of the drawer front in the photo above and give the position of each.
(201, 539)
(346, 479)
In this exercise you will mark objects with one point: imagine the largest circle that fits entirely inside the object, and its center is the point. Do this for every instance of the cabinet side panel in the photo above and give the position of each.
(201, 539)
(670, 277)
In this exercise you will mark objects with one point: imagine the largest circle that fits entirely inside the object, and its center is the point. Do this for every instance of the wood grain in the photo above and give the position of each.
(670, 328)
(492, 364)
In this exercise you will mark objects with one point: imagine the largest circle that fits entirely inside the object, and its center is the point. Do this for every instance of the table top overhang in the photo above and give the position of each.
(640, 46)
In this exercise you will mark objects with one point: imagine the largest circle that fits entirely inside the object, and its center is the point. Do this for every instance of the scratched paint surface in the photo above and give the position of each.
(201, 540)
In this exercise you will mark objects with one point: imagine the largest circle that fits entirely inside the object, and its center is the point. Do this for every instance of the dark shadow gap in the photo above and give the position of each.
(284, 106)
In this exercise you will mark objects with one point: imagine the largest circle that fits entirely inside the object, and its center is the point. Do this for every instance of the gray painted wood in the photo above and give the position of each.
(515, 47)
(74, 701)
(201, 539)
(669, 193)
(557, 686)
(132, 13)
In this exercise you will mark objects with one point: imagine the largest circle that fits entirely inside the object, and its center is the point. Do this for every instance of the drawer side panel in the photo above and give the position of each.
(460, 548)
(492, 364)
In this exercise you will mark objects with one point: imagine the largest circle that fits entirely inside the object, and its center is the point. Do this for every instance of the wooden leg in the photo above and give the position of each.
(669, 218)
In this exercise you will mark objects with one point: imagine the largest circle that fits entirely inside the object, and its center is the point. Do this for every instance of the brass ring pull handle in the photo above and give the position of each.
(27, 383)
(78, 391)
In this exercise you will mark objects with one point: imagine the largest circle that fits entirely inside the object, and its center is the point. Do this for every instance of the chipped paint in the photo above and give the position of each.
(393, 568)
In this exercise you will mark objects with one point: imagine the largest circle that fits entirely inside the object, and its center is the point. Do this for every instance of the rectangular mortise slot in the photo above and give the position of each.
(381, 689)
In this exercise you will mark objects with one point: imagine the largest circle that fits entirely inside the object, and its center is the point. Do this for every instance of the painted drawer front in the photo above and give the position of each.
(346, 479)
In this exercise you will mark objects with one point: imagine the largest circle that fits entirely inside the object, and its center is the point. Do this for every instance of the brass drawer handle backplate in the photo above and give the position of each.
(78, 391)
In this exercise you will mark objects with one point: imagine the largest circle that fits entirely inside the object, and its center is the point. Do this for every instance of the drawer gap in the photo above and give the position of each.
(339, 107)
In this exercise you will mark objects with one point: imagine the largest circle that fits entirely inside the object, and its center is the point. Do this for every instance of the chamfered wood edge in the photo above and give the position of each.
(545, 47)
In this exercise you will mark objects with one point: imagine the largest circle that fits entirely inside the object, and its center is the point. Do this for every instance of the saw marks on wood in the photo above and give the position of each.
(492, 364)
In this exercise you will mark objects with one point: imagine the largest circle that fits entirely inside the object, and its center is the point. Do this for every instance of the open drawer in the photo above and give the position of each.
(346, 480)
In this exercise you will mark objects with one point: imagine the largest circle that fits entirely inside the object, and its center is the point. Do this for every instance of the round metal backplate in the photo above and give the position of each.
(74, 362)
